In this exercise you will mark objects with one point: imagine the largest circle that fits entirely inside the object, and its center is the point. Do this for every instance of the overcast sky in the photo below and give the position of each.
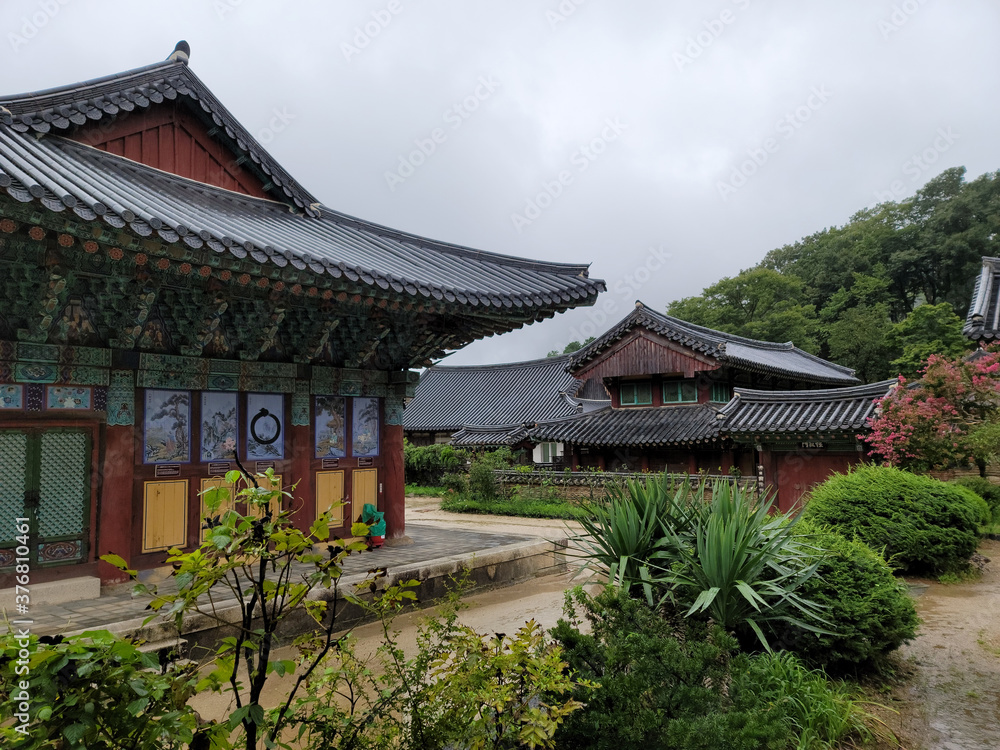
(666, 143)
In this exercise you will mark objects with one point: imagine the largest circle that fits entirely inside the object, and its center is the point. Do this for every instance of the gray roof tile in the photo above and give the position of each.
(752, 412)
(635, 426)
(783, 360)
(983, 318)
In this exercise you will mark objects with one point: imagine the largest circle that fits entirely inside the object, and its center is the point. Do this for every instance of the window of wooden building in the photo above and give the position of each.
(637, 393)
(680, 392)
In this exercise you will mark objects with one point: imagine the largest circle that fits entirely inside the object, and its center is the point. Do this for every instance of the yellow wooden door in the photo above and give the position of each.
(329, 493)
(227, 504)
(275, 506)
(165, 515)
(364, 489)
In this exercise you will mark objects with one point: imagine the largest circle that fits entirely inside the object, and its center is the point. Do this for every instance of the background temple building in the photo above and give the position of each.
(686, 399)
(172, 295)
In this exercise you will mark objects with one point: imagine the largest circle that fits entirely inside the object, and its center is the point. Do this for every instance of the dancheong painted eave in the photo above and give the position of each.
(39, 164)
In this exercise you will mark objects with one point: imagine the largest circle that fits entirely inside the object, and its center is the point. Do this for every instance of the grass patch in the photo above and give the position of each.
(969, 575)
(416, 490)
(990, 645)
(516, 506)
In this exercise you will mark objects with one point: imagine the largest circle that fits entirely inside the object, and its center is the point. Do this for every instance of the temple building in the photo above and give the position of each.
(172, 299)
(687, 399)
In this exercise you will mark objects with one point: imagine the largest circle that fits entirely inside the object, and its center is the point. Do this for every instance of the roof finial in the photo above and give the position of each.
(181, 53)
(638, 304)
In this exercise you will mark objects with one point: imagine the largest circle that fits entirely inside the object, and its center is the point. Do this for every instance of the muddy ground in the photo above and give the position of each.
(951, 700)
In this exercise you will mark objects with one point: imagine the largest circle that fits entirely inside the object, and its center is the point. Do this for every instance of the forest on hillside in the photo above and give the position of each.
(880, 293)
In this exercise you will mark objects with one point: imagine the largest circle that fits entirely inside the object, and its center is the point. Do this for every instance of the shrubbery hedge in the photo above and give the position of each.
(921, 525)
(987, 491)
(868, 609)
(427, 464)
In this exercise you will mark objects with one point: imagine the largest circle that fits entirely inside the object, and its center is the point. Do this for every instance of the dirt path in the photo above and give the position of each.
(953, 700)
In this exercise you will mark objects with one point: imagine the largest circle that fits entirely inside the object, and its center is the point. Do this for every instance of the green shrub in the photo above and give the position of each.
(987, 491)
(427, 464)
(868, 610)
(920, 525)
(456, 483)
(662, 684)
(515, 506)
(979, 505)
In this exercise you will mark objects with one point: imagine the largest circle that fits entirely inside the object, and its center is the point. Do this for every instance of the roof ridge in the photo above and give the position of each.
(233, 134)
(503, 365)
(852, 391)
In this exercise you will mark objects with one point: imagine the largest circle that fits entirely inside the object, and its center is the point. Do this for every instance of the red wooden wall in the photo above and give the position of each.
(170, 138)
(645, 353)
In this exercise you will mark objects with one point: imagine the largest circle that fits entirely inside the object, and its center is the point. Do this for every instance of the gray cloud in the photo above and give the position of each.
(701, 86)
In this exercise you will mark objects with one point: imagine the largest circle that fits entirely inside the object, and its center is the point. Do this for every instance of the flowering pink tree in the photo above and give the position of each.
(944, 419)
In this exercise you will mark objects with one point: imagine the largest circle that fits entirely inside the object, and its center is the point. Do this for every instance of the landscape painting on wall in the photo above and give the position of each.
(166, 433)
(265, 426)
(331, 436)
(218, 426)
(365, 427)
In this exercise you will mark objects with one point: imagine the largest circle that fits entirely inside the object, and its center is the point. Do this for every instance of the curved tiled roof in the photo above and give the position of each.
(983, 318)
(62, 109)
(69, 177)
(634, 426)
(490, 435)
(802, 412)
(448, 398)
(783, 360)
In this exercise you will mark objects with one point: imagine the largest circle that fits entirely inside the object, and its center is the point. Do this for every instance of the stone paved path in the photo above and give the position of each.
(430, 542)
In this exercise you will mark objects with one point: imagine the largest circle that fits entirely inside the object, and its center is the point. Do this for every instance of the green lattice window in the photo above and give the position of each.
(46, 478)
(680, 392)
(638, 393)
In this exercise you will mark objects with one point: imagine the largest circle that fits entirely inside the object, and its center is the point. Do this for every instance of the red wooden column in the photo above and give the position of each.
(116, 508)
(304, 501)
(116, 504)
(394, 482)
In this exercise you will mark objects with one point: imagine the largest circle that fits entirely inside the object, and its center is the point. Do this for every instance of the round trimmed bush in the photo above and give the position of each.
(920, 525)
(868, 610)
(982, 508)
(986, 490)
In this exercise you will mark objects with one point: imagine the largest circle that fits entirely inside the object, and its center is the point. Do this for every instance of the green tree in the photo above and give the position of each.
(929, 329)
(758, 303)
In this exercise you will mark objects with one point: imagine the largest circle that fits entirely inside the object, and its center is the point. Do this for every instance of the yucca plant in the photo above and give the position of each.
(737, 562)
(622, 530)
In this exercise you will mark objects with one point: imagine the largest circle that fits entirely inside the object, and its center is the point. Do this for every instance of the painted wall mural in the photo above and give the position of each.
(331, 423)
(218, 426)
(265, 426)
(11, 397)
(365, 427)
(166, 431)
(62, 397)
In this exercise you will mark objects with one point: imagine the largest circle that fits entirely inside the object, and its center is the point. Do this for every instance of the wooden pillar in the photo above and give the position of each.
(692, 463)
(644, 462)
(115, 512)
(304, 501)
(394, 487)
